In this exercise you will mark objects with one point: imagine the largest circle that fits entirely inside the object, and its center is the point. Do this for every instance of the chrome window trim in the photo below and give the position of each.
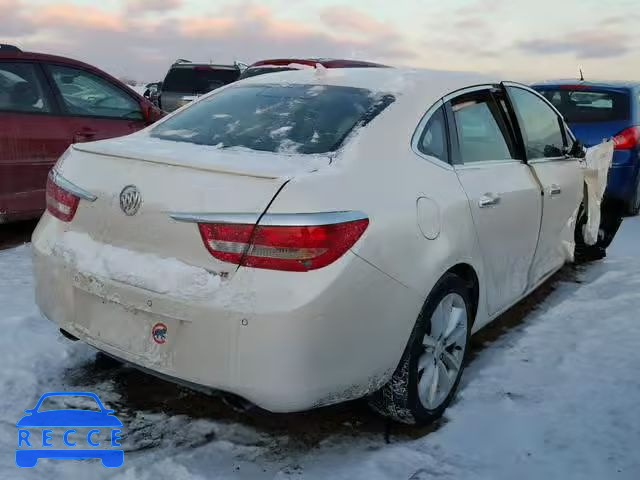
(464, 91)
(272, 219)
(552, 159)
(488, 164)
(65, 184)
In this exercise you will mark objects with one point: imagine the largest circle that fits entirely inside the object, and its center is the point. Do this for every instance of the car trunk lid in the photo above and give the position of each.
(194, 179)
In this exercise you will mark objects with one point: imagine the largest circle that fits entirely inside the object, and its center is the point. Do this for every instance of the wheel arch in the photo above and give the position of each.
(470, 277)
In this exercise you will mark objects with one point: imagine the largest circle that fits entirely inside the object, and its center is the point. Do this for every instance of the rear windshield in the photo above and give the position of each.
(255, 71)
(275, 118)
(586, 106)
(198, 79)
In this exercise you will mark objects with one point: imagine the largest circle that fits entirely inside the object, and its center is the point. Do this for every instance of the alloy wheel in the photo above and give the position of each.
(444, 350)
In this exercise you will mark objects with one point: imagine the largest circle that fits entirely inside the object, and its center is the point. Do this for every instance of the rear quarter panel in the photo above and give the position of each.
(378, 173)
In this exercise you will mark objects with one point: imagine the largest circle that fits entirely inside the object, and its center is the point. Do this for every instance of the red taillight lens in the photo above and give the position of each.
(627, 139)
(289, 248)
(60, 203)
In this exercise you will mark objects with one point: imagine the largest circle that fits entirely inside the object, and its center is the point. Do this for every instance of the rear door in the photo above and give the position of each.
(504, 197)
(545, 141)
(93, 107)
(31, 138)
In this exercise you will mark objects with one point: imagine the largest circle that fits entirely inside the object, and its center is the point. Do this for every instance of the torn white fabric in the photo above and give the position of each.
(596, 170)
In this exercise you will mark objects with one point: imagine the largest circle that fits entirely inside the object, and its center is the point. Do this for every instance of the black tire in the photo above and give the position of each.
(399, 399)
(611, 218)
(634, 204)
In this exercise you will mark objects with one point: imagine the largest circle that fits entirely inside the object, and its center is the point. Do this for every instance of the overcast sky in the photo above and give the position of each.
(518, 39)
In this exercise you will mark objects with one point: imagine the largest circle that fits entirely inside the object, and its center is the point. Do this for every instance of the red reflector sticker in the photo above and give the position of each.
(159, 333)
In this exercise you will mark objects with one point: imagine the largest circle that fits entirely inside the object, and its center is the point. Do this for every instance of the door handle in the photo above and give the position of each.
(84, 135)
(555, 190)
(489, 200)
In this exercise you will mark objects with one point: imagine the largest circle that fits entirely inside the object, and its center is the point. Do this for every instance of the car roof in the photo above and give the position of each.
(431, 84)
(209, 65)
(616, 84)
(326, 62)
(45, 57)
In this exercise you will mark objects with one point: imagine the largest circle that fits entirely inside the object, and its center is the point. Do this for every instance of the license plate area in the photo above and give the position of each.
(143, 334)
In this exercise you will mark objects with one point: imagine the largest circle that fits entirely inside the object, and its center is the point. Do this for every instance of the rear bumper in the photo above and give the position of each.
(622, 181)
(284, 341)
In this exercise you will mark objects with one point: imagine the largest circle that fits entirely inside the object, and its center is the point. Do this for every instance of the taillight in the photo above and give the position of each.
(281, 247)
(627, 139)
(61, 203)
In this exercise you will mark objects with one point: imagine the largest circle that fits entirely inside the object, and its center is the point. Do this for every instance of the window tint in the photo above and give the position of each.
(433, 140)
(21, 89)
(541, 128)
(86, 94)
(275, 118)
(481, 129)
(255, 71)
(585, 106)
(198, 79)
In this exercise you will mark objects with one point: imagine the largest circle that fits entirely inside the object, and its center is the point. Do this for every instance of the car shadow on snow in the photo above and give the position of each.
(157, 413)
(17, 233)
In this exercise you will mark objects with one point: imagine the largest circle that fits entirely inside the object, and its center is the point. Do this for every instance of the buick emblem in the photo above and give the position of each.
(130, 200)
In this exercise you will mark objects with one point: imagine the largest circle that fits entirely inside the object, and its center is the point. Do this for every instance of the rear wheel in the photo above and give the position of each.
(426, 380)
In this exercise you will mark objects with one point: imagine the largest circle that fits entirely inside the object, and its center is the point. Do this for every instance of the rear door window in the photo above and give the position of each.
(275, 118)
(198, 79)
(589, 106)
(482, 131)
(86, 94)
(22, 88)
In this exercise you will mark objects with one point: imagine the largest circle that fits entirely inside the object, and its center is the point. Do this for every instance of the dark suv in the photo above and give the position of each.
(46, 104)
(186, 81)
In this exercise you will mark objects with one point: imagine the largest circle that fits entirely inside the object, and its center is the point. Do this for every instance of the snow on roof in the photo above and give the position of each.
(432, 84)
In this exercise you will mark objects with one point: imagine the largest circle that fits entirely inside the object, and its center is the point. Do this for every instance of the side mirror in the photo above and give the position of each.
(577, 150)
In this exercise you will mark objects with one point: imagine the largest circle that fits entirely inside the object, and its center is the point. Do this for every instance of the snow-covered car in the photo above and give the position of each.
(305, 238)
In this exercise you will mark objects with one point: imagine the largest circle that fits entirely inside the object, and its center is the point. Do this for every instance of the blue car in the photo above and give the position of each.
(597, 111)
(34, 433)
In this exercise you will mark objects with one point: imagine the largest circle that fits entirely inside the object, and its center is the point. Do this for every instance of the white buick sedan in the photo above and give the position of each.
(304, 238)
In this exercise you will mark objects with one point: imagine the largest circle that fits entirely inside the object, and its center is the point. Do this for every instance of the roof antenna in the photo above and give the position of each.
(581, 76)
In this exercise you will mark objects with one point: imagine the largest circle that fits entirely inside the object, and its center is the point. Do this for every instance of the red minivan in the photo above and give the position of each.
(46, 104)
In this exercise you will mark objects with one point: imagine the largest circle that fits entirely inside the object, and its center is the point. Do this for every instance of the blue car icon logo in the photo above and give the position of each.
(36, 437)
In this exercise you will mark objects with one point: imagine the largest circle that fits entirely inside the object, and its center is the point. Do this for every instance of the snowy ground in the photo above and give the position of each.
(553, 395)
